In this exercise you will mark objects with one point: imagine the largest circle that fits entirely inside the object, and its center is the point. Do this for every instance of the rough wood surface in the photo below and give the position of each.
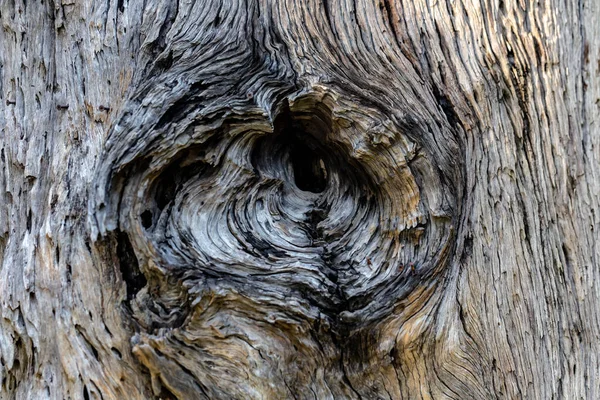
(299, 199)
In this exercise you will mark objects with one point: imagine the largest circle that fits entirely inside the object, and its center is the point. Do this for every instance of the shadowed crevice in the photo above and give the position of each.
(299, 135)
(129, 266)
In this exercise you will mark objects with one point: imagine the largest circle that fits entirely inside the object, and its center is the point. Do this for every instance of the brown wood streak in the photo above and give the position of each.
(299, 199)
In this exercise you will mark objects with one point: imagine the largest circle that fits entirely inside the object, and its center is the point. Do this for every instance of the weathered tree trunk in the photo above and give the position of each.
(300, 199)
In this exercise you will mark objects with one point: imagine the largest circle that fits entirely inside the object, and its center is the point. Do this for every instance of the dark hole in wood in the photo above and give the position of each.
(69, 273)
(446, 106)
(29, 221)
(310, 173)
(166, 394)
(146, 218)
(86, 394)
(186, 166)
(116, 352)
(128, 263)
(166, 190)
(313, 218)
(299, 137)
(95, 352)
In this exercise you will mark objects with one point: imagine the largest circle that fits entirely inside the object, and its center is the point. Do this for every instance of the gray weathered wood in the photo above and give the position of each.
(299, 199)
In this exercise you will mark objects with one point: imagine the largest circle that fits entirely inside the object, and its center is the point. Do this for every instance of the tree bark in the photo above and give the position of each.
(299, 199)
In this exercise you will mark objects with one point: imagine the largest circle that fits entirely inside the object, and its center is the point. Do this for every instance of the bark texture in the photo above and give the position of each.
(299, 199)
